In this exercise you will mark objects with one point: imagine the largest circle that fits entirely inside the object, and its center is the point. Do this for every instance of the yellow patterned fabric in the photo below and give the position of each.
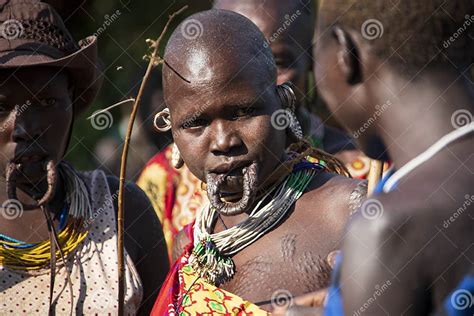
(176, 195)
(202, 298)
(197, 297)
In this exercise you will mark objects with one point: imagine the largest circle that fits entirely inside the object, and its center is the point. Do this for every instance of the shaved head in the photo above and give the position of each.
(275, 17)
(220, 85)
(216, 46)
(288, 26)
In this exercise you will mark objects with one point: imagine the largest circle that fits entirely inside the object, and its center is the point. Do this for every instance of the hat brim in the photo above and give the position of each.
(83, 66)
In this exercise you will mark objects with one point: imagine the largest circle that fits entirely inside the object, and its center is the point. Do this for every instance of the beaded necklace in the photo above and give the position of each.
(211, 256)
(15, 243)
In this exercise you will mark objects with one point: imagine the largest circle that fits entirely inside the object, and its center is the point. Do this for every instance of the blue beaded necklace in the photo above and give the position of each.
(63, 215)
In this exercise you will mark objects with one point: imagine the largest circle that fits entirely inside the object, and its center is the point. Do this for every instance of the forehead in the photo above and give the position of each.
(223, 85)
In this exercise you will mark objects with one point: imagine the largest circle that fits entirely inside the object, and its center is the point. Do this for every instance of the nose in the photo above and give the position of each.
(25, 127)
(226, 138)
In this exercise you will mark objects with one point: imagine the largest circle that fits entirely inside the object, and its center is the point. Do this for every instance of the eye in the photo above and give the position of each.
(282, 62)
(244, 111)
(194, 123)
(47, 102)
(4, 108)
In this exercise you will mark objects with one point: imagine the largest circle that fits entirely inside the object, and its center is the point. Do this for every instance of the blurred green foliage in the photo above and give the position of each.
(122, 27)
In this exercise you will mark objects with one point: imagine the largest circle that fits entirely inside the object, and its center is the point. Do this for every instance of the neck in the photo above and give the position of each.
(421, 113)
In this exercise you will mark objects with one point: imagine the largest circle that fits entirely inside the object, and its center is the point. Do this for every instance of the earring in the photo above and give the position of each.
(288, 98)
(165, 116)
(295, 126)
(176, 159)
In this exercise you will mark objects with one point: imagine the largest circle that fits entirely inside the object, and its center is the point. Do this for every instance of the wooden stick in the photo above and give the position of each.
(155, 60)
(110, 108)
(375, 174)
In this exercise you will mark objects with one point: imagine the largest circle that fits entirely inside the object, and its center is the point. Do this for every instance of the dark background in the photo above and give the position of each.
(121, 44)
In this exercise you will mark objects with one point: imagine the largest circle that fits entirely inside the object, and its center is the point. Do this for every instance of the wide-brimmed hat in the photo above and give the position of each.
(33, 34)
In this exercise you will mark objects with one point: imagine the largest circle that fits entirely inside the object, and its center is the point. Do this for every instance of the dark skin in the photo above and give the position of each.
(293, 57)
(43, 128)
(234, 126)
(431, 257)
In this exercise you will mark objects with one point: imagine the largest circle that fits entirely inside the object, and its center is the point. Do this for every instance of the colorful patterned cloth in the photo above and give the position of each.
(185, 293)
(176, 195)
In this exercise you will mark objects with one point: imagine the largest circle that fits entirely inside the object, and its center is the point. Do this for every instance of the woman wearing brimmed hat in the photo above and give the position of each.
(58, 236)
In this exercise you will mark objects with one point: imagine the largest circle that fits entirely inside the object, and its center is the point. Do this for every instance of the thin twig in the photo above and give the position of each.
(110, 107)
(154, 61)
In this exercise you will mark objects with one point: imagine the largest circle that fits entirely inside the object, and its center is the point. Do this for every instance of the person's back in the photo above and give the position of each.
(397, 75)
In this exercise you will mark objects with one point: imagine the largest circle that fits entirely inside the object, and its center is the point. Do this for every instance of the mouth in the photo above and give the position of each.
(13, 172)
(29, 157)
(31, 165)
(230, 176)
(231, 169)
(240, 179)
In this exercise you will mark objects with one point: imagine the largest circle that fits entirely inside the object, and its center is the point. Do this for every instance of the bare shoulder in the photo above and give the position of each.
(326, 207)
(336, 192)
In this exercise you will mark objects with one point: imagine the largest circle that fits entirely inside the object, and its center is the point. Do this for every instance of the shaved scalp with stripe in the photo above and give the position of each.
(220, 85)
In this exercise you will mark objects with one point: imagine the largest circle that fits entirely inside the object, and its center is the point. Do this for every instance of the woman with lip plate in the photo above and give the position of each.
(288, 27)
(274, 218)
(58, 235)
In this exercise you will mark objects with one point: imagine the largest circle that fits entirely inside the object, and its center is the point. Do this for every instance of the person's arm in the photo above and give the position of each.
(144, 242)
